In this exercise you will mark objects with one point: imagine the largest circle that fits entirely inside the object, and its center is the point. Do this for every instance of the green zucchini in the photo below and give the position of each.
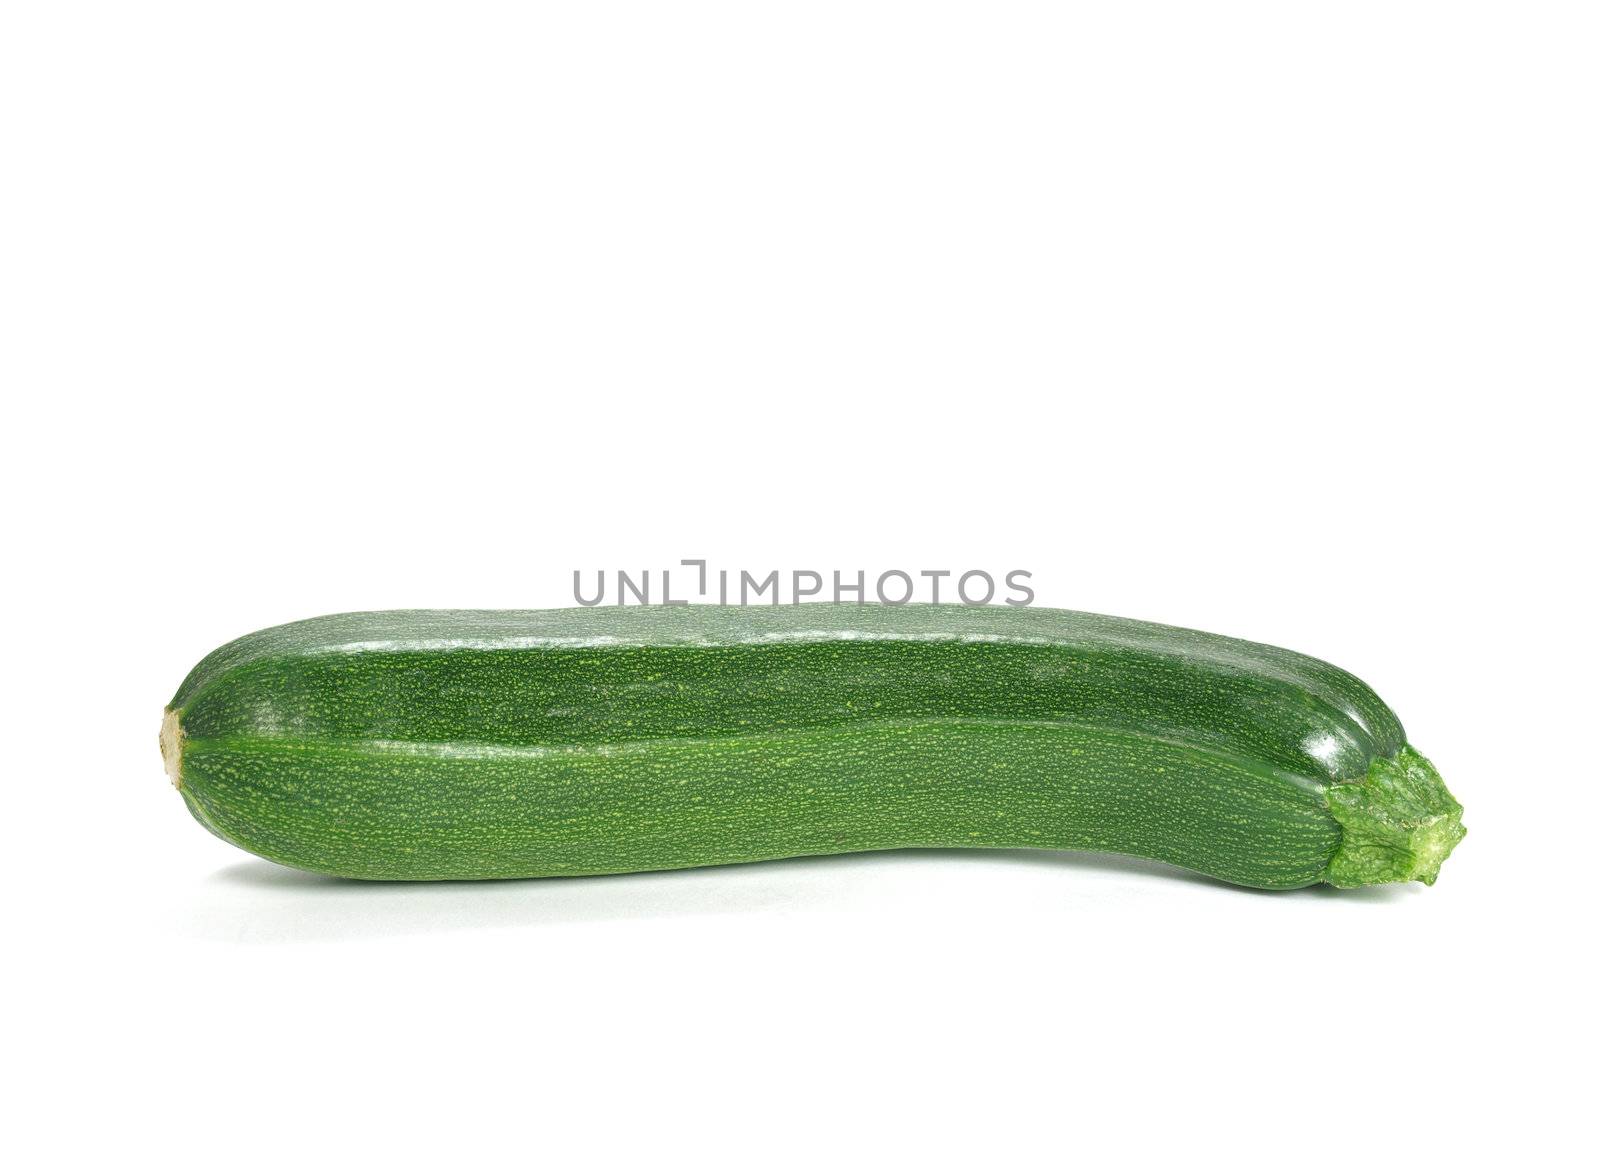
(483, 744)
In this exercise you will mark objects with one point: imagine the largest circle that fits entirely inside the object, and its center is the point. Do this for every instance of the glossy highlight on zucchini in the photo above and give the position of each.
(514, 744)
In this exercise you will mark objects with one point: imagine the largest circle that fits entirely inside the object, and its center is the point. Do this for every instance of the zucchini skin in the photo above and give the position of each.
(473, 744)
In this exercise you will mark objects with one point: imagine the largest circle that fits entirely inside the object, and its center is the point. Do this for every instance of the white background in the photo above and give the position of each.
(1272, 319)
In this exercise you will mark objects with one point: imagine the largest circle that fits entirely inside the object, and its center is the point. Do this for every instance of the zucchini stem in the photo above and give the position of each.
(1400, 823)
(172, 747)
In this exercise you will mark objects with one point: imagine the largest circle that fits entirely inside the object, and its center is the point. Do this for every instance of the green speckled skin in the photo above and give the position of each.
(472, 745)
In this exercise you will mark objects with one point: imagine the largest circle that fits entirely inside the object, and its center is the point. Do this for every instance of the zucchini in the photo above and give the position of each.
(484, 744)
